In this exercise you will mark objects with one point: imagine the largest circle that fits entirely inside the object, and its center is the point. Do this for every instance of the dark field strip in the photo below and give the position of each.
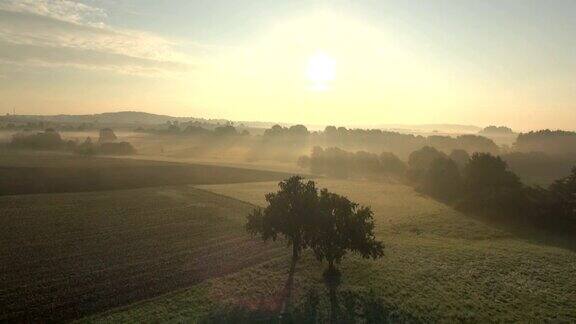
(63, 173)
(64, 256)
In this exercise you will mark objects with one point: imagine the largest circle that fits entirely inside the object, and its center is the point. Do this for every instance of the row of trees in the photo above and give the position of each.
(52, 140)
(378, 140)
(47, 140)
(338, 163)
(88, 148)
(547, 141)
(486, 185)
(329, 224)
(482, 183)
(196, 129)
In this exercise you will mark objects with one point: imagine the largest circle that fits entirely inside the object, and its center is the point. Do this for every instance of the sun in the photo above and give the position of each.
(321, 71)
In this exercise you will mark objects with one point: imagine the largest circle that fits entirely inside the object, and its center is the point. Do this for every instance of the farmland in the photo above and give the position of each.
(24, 172)
(164, 241)
(68, 255)
(439, 265)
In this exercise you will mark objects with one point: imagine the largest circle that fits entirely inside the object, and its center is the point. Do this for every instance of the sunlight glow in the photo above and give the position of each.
(321, 70)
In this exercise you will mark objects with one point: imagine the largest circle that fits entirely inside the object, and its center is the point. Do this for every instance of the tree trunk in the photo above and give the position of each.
(333, 297)
(287, 303)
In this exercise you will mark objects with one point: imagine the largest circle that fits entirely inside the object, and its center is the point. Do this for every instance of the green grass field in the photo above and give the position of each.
(439, 265)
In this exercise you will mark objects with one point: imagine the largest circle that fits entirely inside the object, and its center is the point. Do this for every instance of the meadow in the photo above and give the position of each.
(439, 265)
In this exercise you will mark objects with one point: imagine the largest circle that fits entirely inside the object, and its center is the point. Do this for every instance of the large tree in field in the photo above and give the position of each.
(342, 226)
(290, 214)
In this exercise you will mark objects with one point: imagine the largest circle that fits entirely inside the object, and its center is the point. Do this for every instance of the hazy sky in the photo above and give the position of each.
(318, 62)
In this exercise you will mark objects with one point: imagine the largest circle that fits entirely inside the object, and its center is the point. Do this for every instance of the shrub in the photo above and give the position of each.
(47, 140)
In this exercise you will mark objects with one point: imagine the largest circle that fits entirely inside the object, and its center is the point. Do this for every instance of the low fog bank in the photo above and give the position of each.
(538, 157)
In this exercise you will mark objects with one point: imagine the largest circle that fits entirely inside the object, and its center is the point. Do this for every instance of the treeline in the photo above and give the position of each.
(552, 142)
(42, 125)
(403, 144)
(481, 183)
(51, 140)
(497, 130)
(338, 163)
(486, 185)
(195, 129)
(555, 143)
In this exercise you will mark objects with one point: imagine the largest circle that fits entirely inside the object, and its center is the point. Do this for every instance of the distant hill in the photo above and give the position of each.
(122, 117)
(142, 118)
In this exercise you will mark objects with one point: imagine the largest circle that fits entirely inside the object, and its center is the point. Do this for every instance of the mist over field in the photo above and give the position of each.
(287, 162)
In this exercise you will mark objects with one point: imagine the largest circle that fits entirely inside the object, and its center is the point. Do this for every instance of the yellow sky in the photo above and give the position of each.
(319, 67)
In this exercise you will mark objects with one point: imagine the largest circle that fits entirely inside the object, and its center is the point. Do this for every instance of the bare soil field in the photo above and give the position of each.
(64, 256)
(32, 172)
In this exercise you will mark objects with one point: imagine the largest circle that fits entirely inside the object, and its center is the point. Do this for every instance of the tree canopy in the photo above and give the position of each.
(290, 213)
(343, 226)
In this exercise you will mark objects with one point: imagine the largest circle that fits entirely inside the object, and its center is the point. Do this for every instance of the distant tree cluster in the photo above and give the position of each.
(277, 131)
(552, 142)
(486, 185)
(539, 167)
(52, 140)
(107, 135)
(402, 144)
(481, 183)
(469, 143)
(497, 130)
(196, 128)
(46, 140)
(88, 148)
(28, 126)
(338, 163)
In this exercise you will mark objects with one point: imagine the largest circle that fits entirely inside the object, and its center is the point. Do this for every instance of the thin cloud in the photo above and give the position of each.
(57, 33)
(65, 10)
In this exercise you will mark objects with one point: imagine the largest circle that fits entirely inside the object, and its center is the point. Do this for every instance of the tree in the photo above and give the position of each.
(391, 164)
(563, 192)
(342, 226)
(442, 180)
(106, 136)
(227, 130)
(291, 214)
(420, 160)
(460, 157)
(87, 148)
(47, 140)
(475, 143)
(490, 186)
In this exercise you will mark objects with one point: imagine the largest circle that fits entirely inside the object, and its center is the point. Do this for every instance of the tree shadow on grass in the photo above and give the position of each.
(335, 306)
(522, 230)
